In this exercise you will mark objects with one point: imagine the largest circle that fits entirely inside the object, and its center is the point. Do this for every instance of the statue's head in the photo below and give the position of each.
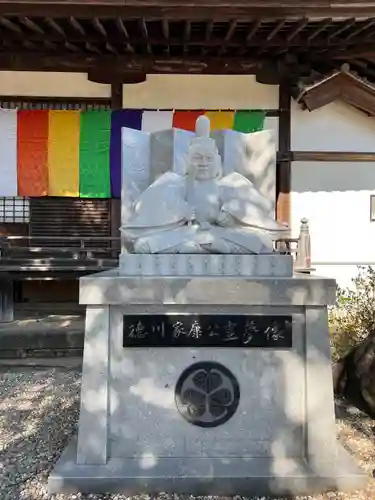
(204, 161)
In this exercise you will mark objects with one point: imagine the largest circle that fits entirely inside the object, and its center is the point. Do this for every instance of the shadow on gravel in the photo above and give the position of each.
(38, 414)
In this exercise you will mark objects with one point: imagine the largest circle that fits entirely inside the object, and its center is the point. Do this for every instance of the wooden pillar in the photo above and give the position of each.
(115, 208)
(116, 95)
(284, 170)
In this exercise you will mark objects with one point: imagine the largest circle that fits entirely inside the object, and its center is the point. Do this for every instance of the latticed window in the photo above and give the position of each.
(14, 209)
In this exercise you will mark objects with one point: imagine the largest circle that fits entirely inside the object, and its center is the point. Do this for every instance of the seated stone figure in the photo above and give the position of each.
(203, 211)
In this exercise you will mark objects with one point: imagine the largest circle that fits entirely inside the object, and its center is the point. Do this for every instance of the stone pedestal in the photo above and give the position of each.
(277, 434)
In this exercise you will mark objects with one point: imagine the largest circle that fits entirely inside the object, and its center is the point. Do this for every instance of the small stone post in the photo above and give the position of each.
(6, 301)
(303, 259)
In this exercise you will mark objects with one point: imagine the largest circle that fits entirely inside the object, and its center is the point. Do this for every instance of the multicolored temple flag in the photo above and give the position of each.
(78, 153)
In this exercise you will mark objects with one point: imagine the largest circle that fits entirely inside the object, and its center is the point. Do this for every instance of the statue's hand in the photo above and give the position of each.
(141, 246)
(224, 219)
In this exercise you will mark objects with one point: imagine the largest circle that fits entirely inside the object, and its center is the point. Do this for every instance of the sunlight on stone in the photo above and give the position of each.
(149, 393)
(93, 399)
(148, 461)
(115, 400)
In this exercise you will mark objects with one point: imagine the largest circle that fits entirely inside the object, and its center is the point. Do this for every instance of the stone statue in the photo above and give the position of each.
(202, 211)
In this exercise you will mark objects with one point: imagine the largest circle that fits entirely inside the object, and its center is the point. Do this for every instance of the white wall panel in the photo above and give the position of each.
(335, 197)
(200, 92)
(335, 127)
(30, 83)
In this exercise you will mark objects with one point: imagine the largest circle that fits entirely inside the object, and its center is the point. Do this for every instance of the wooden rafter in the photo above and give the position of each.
(99, 26)
(124, 33)
(231, 29)
(29, 23)
(275, 30)
(341, 29)
(253, 30)
(77, 26)
(299, 36)
(187, 34)
(143, 28)
(55, 26)
(299, 27)
(10, 25)
(324, 24)
(231, 45)
(370, 23)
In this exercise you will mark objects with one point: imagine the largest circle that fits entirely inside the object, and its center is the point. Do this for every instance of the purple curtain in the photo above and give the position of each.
(131, 118)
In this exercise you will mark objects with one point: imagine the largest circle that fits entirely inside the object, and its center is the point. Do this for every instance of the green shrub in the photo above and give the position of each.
(353, 317)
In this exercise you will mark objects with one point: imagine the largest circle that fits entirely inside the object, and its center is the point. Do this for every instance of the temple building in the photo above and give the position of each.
(74, 73)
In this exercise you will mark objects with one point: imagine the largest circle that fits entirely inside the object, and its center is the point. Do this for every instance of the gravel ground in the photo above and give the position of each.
(38, 413)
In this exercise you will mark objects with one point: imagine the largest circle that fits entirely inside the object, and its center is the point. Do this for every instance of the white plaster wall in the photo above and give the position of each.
(335, 197)
(30, 83)
(196, 91)
(159, 91)
(335, 127)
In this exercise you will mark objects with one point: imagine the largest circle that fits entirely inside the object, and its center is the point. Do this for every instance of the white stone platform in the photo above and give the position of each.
(132, 438)
(272, 265)
(205, 476)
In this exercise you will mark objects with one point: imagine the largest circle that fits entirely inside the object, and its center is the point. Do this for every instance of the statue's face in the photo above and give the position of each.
(204, 164)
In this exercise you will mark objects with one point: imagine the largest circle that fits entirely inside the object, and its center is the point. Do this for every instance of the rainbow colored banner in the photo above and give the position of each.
(78, 153)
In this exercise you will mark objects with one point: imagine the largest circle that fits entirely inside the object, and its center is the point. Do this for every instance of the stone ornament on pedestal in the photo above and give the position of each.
(206, 366)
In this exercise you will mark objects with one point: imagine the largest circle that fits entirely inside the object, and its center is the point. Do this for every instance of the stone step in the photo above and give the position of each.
(46, 337)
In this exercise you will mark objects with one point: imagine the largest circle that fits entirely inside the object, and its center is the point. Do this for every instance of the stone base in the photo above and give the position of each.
(273, 265)
(205, 476)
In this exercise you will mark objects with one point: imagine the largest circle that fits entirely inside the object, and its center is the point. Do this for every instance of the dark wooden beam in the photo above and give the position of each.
(39, 61)
(334, 156)
(117, 95)
(284, 170)
(113, 76)
(181, 9)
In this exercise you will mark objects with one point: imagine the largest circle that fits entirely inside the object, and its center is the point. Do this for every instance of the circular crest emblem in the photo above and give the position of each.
(207, 394)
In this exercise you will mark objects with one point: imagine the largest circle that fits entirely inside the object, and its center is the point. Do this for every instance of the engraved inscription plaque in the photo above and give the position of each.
(207, 394)
(221, 330)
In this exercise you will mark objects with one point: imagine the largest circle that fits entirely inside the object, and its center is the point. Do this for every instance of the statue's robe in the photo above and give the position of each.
(162, 212)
